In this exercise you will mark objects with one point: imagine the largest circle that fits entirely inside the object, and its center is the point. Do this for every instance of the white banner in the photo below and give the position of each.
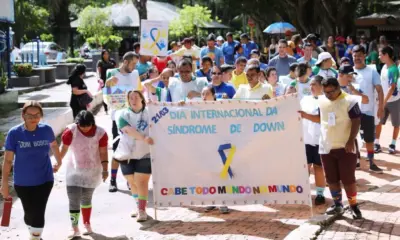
(154, 38)
(7, 11)
(229, 152)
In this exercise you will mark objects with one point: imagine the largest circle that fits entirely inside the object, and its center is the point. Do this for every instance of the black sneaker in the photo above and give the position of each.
(224, 210)
(334, 210)
(358, 167)
(375, 169)
(209, 208)
(319, 200)
(377, 148)
(113, 186)
(392, 149)
(355, 212)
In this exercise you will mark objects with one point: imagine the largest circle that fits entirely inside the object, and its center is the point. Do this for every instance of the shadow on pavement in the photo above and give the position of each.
(97, 236)
(276, 223)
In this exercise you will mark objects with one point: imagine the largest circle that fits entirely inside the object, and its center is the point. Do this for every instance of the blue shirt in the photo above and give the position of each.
(200, 73)
(348, 53)
(224, 88)
(32, 165)
(312, 62)
(341, 49)
(215, 55)
(228, 49)
(263, 66)
(143, 67)
(237, 55)
(248, 47)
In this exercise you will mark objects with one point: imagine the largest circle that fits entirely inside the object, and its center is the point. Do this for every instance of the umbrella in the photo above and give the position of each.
(279, 27)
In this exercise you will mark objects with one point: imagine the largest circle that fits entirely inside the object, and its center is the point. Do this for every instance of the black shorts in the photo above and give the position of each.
(136, 166)
(367, 128)
(313, 156)
(115, 134)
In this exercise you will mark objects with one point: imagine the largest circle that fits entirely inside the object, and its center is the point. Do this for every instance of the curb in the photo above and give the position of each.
(41, 87)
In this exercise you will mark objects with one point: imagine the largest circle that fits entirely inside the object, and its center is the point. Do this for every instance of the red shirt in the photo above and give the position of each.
(161, 63)
(66, 137)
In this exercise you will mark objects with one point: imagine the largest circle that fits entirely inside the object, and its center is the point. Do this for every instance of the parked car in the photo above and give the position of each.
(50, 49)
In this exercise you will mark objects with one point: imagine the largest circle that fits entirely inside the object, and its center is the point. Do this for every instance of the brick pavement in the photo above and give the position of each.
(112, 222)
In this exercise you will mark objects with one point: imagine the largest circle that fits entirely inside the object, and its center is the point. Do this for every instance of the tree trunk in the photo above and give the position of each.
(141, 7)
(60, 23)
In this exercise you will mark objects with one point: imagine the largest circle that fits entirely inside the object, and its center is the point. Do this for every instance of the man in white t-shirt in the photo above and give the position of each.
(254, 90)
(186, 86)
(126, 75)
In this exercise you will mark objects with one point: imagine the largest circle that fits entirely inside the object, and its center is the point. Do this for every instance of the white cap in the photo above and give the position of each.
(220, 38)
(323, 56)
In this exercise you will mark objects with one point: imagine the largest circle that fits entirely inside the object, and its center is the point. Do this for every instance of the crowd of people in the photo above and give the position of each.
(341, 94)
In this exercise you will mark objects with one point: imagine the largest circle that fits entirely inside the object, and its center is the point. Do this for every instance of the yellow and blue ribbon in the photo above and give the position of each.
(227, 161)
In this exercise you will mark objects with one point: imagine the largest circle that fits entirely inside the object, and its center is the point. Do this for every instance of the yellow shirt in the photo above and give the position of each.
(255, 93)
(238, 79)
(335, 133)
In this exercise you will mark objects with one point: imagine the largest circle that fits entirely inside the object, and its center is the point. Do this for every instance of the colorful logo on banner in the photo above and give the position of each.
(226, 161)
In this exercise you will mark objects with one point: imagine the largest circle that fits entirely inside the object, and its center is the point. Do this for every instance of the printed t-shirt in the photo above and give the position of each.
(131, 80)
(215, 55)
(302, 89)
(224, 88)
(32, 165)
(390, 76)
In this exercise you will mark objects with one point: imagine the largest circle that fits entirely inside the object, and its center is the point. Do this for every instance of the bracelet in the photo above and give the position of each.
(105, 171)
(104, 161)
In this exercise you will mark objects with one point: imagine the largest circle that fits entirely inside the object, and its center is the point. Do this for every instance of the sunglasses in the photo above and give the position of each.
(216, 73)
(30, 116)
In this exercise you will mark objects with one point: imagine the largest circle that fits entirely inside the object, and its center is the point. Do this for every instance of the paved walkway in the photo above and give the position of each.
(111, 211)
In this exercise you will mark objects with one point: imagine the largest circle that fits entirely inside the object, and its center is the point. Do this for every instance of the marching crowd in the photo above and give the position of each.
(340, 98)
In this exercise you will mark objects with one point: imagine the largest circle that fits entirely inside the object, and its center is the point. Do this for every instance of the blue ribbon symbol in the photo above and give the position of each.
(155, 39)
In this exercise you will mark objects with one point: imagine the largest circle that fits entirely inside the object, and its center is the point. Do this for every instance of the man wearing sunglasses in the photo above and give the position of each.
(222, 89)
(340, 118)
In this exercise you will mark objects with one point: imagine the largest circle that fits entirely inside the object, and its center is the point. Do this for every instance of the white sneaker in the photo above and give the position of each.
(142, 217)
(88, 230)
(74, 232)
(134, 213)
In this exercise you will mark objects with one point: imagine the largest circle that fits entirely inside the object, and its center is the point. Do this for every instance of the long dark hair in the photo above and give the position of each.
(104, 51)
(78, 70)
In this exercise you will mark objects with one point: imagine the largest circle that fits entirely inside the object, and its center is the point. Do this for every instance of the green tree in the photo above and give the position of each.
(141, 7)
(191, 18)
(95, 24)
(31, 20)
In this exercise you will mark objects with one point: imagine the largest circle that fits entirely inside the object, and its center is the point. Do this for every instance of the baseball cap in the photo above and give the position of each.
(211, 37)
(226, 68)
(344, 59)
(255, 51)
(220, 38)
(322, 57)
(244, 35)
(311, 37)
(347, 69)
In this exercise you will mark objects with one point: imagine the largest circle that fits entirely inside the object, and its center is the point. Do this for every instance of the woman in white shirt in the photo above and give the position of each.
(134, 124)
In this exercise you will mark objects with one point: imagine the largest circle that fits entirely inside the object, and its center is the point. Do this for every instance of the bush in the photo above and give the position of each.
(23, 70)
(75, 60)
